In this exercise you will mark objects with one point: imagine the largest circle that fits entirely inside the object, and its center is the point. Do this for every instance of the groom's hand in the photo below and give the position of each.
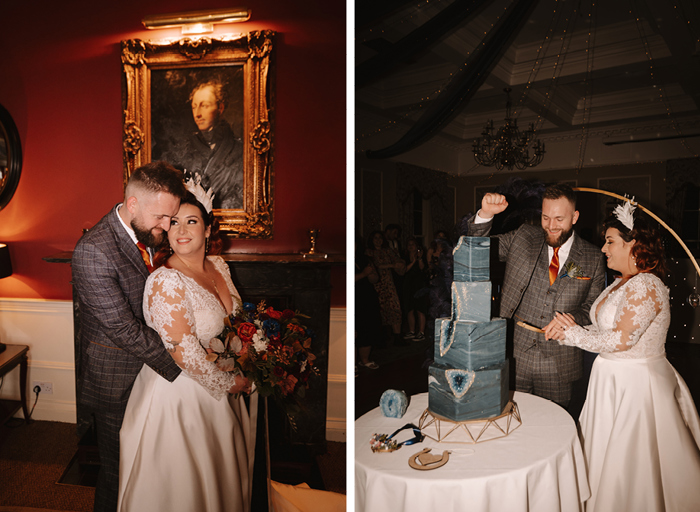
(492, 204)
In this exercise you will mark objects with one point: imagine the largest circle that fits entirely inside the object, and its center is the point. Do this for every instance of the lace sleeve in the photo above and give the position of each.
(171, 316)
(637, 309)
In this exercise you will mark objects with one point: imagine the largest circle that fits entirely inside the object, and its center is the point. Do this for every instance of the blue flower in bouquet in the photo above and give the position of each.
(272, 327)
(249, 306)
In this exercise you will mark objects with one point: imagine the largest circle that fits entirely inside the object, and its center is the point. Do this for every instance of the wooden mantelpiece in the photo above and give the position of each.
(66, 256)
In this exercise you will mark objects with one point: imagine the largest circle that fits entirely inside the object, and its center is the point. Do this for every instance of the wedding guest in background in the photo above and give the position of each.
(549, 268)
(109, 274)
(392, 233)
(415, 290)
(431, 257)
(385, 261)
(639, 426)
(368, 319)
(187, 445)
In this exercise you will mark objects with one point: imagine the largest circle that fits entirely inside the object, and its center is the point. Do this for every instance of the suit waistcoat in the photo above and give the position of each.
(537, 306)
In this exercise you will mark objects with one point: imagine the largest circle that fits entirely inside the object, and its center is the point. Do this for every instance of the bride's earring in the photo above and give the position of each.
(206, 245)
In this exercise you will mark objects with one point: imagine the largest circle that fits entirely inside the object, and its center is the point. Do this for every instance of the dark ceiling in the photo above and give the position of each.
(620, 70)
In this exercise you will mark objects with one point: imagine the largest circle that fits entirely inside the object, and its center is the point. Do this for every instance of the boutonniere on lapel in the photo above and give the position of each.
(573, 271)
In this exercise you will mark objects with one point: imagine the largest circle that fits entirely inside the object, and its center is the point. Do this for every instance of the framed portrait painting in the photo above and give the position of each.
(204, 106)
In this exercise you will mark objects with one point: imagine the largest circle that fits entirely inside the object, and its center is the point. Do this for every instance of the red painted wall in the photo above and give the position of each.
(60, 79)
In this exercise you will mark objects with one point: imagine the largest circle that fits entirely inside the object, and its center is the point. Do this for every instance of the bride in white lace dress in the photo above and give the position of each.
(188, 445)
(639, 427)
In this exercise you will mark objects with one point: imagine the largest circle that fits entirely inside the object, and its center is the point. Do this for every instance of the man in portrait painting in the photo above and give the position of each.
(211, 150)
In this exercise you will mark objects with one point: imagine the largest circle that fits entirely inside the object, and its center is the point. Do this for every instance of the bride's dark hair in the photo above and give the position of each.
(648, 250)
(163, 252)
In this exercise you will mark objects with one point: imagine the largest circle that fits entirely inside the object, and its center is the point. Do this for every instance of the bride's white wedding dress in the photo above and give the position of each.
(639, 427)
(186, 445)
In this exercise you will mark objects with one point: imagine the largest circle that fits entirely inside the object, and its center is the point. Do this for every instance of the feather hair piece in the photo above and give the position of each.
(205, 197)
(624, 213)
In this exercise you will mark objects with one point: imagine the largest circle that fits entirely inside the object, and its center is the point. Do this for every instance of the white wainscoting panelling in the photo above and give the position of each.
(337, 353)
(47, 327)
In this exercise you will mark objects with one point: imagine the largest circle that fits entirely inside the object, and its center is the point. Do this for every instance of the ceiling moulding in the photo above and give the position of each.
(635, 103)
(407, 89)
(639, 130)
(561, 104)
(469, 126)
(612, 54)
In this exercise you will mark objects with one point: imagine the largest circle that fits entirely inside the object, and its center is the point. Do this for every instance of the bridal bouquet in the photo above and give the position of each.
(270, 347)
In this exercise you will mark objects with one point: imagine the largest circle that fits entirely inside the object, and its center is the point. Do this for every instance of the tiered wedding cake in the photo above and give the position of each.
(469, 378)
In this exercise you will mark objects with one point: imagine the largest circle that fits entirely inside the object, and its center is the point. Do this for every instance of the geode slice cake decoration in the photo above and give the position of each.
(460, 381)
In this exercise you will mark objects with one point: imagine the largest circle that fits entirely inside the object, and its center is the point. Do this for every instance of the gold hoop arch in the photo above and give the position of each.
(648, 212)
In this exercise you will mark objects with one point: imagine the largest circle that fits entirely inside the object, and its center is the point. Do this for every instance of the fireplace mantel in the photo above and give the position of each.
(66, 256)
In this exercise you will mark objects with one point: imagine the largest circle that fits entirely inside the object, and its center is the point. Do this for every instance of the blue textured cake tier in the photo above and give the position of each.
(471, 258)
(470, 345)
(461, 395)
(471, 302)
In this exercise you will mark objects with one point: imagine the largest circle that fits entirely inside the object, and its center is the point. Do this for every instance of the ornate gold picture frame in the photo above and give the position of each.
(204, 106)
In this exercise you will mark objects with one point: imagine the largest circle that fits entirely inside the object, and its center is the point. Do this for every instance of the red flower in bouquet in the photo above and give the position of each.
(246, 331)
(273, 314)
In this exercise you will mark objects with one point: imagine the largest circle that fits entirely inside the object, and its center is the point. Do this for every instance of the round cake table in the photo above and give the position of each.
(538, 467)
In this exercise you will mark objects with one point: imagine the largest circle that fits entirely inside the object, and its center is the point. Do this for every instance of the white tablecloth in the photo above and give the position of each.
(539, 467)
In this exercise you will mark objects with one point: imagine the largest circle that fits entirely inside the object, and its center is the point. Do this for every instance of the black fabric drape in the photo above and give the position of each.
(419, 40)
(465, 84)
(368, 12)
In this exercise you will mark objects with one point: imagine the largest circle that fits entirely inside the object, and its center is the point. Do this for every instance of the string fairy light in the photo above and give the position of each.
(659, 88)
(680, 13)
(557, 67)
(588, 95)
(416, 107)
(403, 18)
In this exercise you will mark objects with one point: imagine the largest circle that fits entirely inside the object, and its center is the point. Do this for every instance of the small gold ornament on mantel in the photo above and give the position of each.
(313, 236)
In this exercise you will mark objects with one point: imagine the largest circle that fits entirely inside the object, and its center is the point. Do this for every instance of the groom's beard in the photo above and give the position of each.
(560, 240)
(150, 238)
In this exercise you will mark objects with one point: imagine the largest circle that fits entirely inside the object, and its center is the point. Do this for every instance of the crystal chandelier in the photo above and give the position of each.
(508, 148)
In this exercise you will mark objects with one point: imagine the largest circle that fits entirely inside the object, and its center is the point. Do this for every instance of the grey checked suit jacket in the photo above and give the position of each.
(109, 276)
(521, 249)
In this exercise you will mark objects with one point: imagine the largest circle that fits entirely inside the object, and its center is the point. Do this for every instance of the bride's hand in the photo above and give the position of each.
(242, 385)
(556, 329)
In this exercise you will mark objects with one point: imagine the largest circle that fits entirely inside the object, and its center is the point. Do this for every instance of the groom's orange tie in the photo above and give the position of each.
(554, 267)
(147, 257)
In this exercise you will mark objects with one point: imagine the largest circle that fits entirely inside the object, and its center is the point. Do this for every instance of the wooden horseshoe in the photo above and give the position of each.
(424, 460)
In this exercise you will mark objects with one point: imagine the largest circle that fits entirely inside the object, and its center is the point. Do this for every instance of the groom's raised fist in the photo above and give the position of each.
(492, 204)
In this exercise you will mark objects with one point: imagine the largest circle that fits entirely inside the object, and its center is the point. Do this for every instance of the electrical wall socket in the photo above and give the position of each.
(46, 387)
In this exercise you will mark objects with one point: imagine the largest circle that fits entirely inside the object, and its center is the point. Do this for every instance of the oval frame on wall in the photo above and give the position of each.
(10, 157)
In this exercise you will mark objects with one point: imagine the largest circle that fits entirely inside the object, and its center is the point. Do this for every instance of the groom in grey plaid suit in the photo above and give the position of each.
(530, 297)
(109, 275)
